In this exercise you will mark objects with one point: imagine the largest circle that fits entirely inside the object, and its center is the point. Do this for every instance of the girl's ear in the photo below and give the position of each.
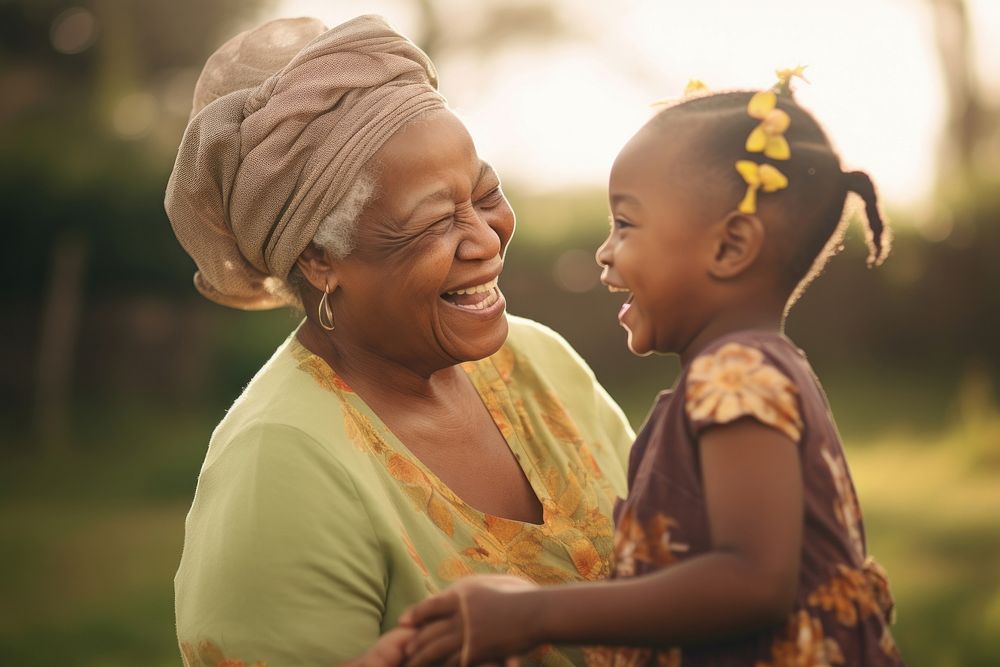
(317, 266)
(738, 243)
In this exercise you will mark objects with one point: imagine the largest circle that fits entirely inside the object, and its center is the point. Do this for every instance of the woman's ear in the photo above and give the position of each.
(317, 266)
(738, 243)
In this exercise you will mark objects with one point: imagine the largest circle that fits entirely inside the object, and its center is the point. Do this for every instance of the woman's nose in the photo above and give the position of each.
(482, 241)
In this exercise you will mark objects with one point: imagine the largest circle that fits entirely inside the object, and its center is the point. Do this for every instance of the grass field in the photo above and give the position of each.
(88, 545)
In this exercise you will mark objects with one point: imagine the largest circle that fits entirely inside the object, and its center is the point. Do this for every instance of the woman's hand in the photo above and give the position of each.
(388, 651)
(479, 619)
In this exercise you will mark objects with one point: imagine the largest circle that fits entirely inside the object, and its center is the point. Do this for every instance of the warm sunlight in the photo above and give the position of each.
(555, 114)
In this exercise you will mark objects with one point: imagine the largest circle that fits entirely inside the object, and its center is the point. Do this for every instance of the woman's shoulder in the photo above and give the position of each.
(290, 402)
(542, 346)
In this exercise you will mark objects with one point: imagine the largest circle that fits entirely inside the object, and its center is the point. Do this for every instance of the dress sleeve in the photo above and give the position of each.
(281, 565)
(736, 381)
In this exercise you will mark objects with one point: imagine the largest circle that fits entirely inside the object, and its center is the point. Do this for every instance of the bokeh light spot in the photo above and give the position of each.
(73, 31)
(576, 271)
(134, 115)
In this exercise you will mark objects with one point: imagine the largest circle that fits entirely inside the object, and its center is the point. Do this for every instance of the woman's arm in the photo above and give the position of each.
(281, 564)
(754, 498)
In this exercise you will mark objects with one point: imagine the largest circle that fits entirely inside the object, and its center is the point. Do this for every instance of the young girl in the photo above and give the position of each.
(741, 540)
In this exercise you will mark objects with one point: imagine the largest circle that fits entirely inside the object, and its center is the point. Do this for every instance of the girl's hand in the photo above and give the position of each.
(479, 619)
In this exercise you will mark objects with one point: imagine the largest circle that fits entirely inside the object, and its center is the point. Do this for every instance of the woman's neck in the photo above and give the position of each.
(377, 378)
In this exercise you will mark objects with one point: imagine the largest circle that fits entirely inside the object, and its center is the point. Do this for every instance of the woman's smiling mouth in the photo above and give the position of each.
(475, 298)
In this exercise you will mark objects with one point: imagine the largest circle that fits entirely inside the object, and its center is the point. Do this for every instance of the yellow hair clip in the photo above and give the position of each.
(768, 137)
(758, 177)
(695, 86)
(785, 76)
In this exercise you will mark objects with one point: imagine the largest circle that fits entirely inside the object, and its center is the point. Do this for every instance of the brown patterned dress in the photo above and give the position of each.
(843, 607)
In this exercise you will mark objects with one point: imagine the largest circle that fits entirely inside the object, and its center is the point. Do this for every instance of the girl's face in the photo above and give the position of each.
(657, 245)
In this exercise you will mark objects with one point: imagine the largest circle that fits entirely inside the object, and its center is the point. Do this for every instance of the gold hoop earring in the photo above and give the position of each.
(324, 313)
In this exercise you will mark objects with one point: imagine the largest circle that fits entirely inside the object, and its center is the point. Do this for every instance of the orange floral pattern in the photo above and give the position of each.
(574, 503)
(651, 544)
(208, 654)
(734, 382)
(845, 502)
(856, 594)
(614, 656)
(804, 645)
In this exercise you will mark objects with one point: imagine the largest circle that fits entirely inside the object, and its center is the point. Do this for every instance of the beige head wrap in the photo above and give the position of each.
(284, 118)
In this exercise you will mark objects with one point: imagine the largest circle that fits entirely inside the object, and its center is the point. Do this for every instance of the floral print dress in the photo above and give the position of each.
(843, 607)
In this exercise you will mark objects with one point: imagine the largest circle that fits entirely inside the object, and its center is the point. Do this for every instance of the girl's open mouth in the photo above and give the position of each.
(625, 307)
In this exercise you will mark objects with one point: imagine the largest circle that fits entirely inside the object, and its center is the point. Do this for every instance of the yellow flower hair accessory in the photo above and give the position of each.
(768, 137)
(758, 177)
(785, 76)
(695, 86)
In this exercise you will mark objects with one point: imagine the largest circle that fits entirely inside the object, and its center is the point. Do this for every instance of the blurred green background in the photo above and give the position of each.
(114, 372)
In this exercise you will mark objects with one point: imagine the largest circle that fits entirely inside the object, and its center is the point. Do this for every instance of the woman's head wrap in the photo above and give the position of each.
(285, 116)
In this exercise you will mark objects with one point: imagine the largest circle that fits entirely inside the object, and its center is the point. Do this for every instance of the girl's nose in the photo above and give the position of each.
(604, 254)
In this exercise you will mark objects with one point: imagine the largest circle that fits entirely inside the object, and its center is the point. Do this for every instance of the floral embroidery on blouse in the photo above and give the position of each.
(208, 654)
(734, 382)
(652, 544)
(573, 516)
(316, 367)
(845, 504)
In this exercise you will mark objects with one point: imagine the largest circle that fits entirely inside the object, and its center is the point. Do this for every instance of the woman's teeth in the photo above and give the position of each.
(485, 287)
(478, 297)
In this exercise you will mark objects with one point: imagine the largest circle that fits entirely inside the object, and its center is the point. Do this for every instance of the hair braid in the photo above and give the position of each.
(879, 238)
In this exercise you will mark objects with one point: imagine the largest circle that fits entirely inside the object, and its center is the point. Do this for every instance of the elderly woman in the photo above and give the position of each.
(409, 432)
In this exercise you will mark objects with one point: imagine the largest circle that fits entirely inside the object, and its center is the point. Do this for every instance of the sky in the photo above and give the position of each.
(554, 114)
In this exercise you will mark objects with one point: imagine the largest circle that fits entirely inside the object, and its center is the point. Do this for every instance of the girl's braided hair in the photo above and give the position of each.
(811, 208)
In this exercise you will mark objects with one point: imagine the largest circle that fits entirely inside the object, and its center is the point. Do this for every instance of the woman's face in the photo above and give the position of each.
(420, 287)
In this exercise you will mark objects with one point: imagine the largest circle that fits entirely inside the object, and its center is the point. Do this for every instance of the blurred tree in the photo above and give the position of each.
(972, 127)
(87, 102)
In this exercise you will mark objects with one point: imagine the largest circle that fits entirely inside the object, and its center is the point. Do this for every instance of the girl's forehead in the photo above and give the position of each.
(649, 158)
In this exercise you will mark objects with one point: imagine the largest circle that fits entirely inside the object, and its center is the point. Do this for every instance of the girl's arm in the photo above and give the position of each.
(754, 499)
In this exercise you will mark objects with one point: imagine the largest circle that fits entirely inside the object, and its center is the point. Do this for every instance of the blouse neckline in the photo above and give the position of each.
(487, 379)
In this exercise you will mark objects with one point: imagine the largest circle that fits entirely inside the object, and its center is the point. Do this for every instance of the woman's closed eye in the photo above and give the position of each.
(491, 199)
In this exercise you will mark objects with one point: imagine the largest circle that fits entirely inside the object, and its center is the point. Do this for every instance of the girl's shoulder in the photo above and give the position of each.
(755, 374)
(776, 348)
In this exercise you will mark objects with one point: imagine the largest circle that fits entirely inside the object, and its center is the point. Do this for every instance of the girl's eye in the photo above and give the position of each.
(618, 223)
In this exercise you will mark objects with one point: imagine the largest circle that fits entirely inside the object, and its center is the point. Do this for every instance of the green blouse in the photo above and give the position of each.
(313, 527)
